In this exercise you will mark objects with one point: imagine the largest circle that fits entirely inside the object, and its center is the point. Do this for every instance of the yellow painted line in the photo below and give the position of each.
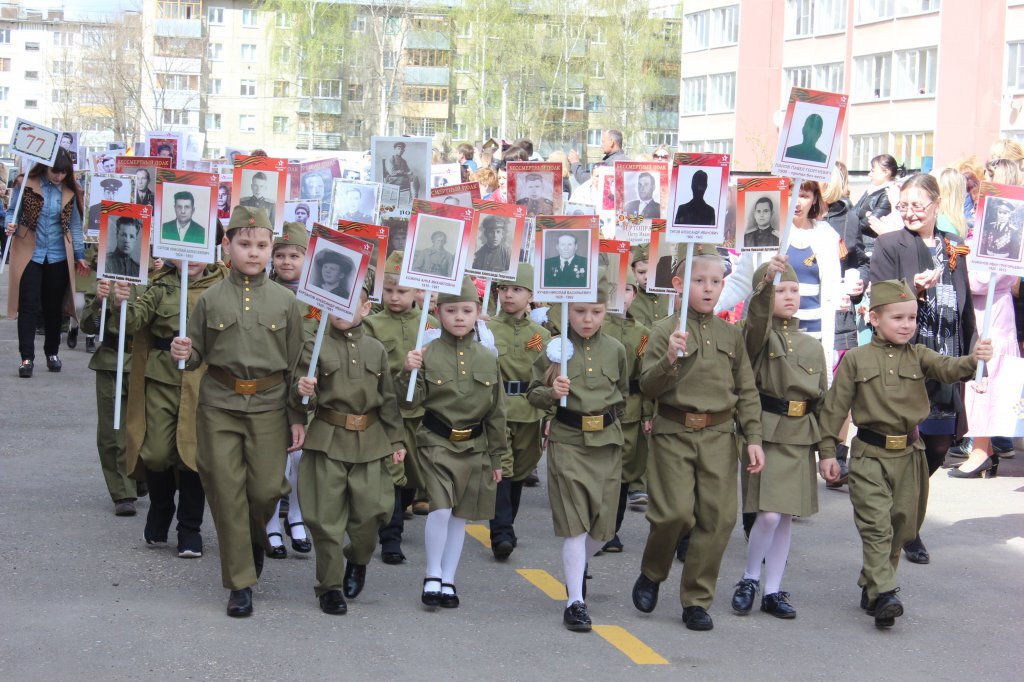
(543, 581)
(621, 639)
(480, 533)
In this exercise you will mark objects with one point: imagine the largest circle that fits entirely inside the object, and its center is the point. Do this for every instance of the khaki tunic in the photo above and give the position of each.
(633, 336)
(647, 309)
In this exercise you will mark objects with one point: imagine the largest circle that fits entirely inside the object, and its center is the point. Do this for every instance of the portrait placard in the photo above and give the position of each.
(394, 217)
(761, 205)
(445, 174)
(457, 195)
(355, 201)
(104, 162)
(700, 189)
(305, 212)
(403, 162)
(641, 188)
(537, 185)
(34, 141)
(617, 253)
(662, 260)
(577, 209)
(496, 239)
(124, 234)
(807, 140)
(69, 140)
(377, 236)
(997, 246)
(566, 252)
(104, 186)
(633, 229)
(143, 169)
(333, 272)
(185, 215)
(259, 182)
(315, 181)
(166, 144)
(437, 247)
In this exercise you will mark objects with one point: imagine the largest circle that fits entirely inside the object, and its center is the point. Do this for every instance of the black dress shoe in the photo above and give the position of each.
(613, 546)
(743, 597)
(987, 469)
(300, 545)
(393, 558)
(53, 363)
(645, 594)
(355, 579)
(449, 601)
(865, 603)
(257, 559)
(332, 603)
(25, 369)
(888, 608)
(697, 618)
(73, 337)
(141, 489)
(576, 618)
(916, 551)
(240, 603)
(277, 551)
(777, 604)
(532, 480)
(502, 549)
(90, 343)
(431, 597)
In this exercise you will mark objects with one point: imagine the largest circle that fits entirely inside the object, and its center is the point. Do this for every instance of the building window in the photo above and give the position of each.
(695, 36)
(426, 57)
(31, 104)
(5, 36)
(248, 52)
(4, 92)
(213, 122)
(249, 18)
(358, 25)
(796, 77)
(281, 125)
(491, 132)
(874, 10)
(247, 123)
(829, 77)
(63, 39)
(425, 127)
(424, 94)
(872, 77)
(31, 75)
(5, 122)
(913, 147)
(354, 92)
(721, 92)
(594, 137)
(597, 69)
(557, 100)
(725, 26)
(914, 74)
(214, 87)
(865, 148)
(175, 117)
(31, 47)
(695, 92)
(658, 138)
(248, 88)
(355, 128)
(460, 131)
(814, 17)
(388, 59)
(1015, 65)
(463, 63)
(326, 88)
(215, 16)
(707, 146)
(60, 96)
(597, 36)
(595, 104)
(282, 89)
(215, 52)
(904, 7)
(5, 64)
(177, 81)
(461, 97)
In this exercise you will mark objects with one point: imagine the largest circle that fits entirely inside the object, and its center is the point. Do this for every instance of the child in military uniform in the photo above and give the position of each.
(883, 383)
(520, 341)
(789, 368)
(703, 384)
(396, 327)
(461, 438)
(584, 443)
(344, 482)
(162, 405)
(249, 333)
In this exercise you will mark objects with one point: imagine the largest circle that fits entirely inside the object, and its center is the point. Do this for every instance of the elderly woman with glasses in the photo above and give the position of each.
(934, 264)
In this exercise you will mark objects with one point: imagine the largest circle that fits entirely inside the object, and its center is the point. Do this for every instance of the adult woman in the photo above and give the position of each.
(47, 241)
(953, 189)
(872, 215)
(1004, 172)
(931, 261)
(836, 195)
(488, 180)
(559, 156)
(1008, 149)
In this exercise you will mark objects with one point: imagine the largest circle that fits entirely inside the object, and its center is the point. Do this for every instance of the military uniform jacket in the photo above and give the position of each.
(397, 331)
(105, 358)
(460, 383)
(788, 365)
(883, 384)
(713, 375)
(310, 314)
(251, 328)
(633, 337)
(353, 378)
(519, 342)
(598, 382)
(649, 308)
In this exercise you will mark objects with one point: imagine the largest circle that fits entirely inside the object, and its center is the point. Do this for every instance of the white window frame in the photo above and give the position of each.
(215, 16)
(281, 129)
(877, 67)
(248, 52)
(214, 86)
(215, 52)
(214, 121)
(1015, 66)
(810, 18)
(721, 93)
(247, 87)
(594, 137)
(924, 7)
(696, 31)
(250, 18)
(871, 11)
(694, 101)
(247, 123)
(724, 26)
(915, 73)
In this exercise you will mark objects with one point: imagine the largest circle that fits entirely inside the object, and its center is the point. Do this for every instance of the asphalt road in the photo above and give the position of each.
(82, 597)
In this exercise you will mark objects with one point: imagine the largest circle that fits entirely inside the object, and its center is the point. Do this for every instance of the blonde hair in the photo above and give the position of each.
(952, 195)
(1004, 172)
(486, 176)
(1006, 148)
(838, 186)
(559, 156)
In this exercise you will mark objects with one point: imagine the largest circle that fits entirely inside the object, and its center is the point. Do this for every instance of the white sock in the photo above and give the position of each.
(435, 534)
(452, 552)
(759, 543)
(294, 511)
(574, 562)
(274, 526)
(778, 554)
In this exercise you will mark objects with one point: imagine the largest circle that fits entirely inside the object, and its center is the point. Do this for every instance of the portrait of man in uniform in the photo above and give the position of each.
(298, 212)
(535, 194)
(143, 187)
(1001, 236)
(104, 189)
(564, 267)
(224, 201)
(762, 227)
(493, 254)
(398, 172)
(353, 206)
(435, 259)
(183, 229)
(123, 256)
(261, 195)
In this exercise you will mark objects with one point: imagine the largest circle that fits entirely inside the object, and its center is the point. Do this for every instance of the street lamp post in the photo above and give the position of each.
(504, 102)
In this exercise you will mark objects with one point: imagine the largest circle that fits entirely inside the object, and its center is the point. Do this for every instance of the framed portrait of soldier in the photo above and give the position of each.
(259, 182)
(662, 260)
(495, 239)
(761, 205)
(355, 201)
(998, 245)
(617, 270)
(104, 162)
(395, 217)
(437, 245)
(333, 272)
(69, 142)
(105, 187)
(810, 130)
(462, 194)
(566, 253)
(377, 236)
(166, 144)
(641, 188)
(315, 180)
(185, 215)
(305, 212)
(123, 249)
(403, 162)
(143, 169)
(537, 185)
(700, 189)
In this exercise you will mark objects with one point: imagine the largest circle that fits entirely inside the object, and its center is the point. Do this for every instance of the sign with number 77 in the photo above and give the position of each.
(35, 141)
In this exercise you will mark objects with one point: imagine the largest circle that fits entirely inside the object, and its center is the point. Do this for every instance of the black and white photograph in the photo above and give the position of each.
(405, 163)
(184, 212)
(811, 134)
(315, 186)
(534, 190)
(565, 257)
(104, 162)
(493, 252)
(144, 183)
(259, 190)
(762, 220)
(697, 196)
(435, 246)
(109, 187)
(333, 271)
(304, 212)
(1001, 229)
(666, 264)
(642, 194)
(124, 241)
(355, 201)
(69, 142)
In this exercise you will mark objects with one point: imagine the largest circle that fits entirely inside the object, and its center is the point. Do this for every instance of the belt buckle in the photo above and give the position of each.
(355, 422)
(459, 435)
(514, 387)
(896, 442)
(592, 422)
(797, 408)
(245, 386)
(694, 420)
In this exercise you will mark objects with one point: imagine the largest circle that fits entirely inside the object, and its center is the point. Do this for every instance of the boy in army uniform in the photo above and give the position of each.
(703, 385)
(396, 327)
(883, 383)
(344, 482)
(520, 341)
(249, 333)
(647, 308)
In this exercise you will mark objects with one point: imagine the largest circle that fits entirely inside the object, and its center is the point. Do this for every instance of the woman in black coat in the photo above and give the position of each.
(864, 223)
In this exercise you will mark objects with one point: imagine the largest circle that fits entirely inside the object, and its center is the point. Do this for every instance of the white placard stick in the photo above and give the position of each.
(311, 374)
(103, 314)
(684, 302)
(183, 310)
(987, 320)
(563, 369)
(120, 364)
(788, 226)
(7, 245)
(487, 294)
(424, 314)
(671, 304)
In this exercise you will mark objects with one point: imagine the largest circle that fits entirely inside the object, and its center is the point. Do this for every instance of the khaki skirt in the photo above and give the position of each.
(583, 487)
(787, 485)
(461, 482)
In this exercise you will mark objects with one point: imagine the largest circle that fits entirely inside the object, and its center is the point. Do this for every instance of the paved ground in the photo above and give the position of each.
(83, 598)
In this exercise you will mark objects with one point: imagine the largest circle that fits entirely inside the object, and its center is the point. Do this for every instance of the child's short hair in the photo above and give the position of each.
(706, 258)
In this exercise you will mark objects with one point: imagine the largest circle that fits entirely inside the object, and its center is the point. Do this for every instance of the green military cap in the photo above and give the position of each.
(891, 291)
(698, 250)
(246, 216)
(639, 252)
(394, 263)
(788, 276)
(524, 277)
(293, 234)
(467, 295)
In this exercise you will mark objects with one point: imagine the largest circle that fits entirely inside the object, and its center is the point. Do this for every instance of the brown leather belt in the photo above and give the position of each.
(351, 422)
(244, 386)
(694, 420)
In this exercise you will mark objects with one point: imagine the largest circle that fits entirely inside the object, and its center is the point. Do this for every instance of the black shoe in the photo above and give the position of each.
(743, 597)
(332, 603)
(697, 618)
(190, 544)
(433, 597)
(865, 603)
(392, 558)
(645, 594)
(613, 546)
(987, 469)
(355, 579)
(449, 601)
(90, 343)
(576, 618)
(277, 551)
(532, 481)
(124, 508)
(916, 551)
(300, 545)
(73, 337)
(502, 549)
(888, 608)
(141, 489)
(53, 363)
(777, 604)
(240, 603)
(25, 369)
(683, 547)
(257, 559)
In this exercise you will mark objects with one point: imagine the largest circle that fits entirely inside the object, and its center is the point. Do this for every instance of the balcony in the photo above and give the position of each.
(178, 28)
(320, 141)
(661, 120)
(425, 75)
(319, 105)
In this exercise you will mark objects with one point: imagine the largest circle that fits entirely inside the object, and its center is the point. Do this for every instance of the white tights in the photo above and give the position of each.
(575, 552)
(294, 512)
(443, 535)
(769, 542)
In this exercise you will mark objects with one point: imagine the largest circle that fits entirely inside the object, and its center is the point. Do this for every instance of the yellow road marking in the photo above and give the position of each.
(480, 533)
(544, 581)
(621, 639)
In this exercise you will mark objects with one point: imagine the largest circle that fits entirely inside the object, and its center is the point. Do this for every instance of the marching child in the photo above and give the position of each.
(520, 341)
(789, 368)
(249, 333)
(883, 383)
(584, 443)
(461, 438)
(703, 384)
(345, 484)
